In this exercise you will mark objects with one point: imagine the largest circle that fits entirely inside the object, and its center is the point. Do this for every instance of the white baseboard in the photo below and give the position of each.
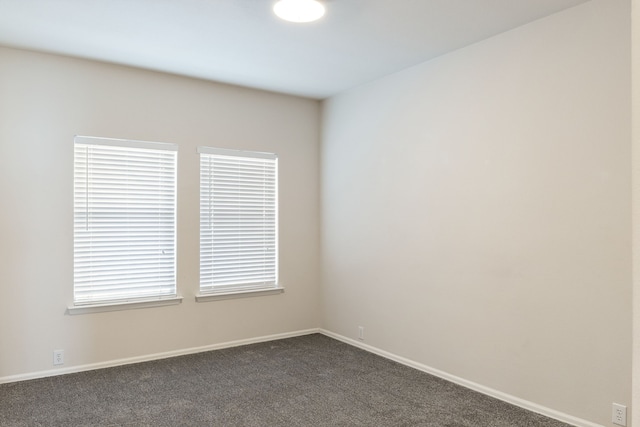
(551, 413)
(150, 357)
(534, 407)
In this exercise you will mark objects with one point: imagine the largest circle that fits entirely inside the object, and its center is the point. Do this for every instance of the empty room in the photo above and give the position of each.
(362, 213)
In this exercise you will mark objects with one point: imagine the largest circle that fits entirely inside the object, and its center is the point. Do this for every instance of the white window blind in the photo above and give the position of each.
(238, 220)
(124, 220)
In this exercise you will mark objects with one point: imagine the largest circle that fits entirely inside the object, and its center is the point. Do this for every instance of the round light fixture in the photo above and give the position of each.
(299, 10)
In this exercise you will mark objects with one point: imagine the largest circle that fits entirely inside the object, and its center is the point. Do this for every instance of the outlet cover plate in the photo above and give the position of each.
(619, 414)
(58, 357)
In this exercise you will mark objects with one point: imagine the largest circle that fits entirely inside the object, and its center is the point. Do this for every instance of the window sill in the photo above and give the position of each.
(124, 305)
(237, 294)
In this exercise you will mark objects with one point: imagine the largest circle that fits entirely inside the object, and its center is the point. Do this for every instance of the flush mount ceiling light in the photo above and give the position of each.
(299, 10)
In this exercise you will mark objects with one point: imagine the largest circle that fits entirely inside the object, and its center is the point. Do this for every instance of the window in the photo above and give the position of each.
(238, 221)
(124, 221)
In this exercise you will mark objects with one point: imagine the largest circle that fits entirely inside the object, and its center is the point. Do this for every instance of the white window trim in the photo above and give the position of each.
(242, 291)
(236, 153)
(133, 303)
(131, 143)
(122, 305)
(219, 296)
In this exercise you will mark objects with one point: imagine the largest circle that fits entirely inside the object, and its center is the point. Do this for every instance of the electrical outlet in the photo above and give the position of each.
(619, 414)
(361, 333)
(58, 357)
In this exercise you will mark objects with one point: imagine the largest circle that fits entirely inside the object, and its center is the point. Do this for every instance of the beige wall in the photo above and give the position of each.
(44, 101)
(476, 212)
(635, 42)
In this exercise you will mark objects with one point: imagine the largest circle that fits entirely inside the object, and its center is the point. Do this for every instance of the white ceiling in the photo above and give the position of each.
(242, 42)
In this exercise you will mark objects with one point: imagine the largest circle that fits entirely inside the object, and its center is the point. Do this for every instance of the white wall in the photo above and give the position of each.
(476, 212)
(44, 101)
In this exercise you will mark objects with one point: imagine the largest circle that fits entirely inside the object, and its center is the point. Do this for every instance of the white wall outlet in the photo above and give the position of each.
(361, 333)
(619, 414)
(58, 357)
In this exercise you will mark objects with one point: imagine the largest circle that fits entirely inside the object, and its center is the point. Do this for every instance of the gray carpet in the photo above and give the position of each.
(305, 381)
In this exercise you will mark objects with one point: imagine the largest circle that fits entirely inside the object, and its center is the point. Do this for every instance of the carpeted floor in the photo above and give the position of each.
(305, 381)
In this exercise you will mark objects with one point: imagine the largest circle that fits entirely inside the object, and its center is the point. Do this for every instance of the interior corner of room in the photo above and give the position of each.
(470, 216)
